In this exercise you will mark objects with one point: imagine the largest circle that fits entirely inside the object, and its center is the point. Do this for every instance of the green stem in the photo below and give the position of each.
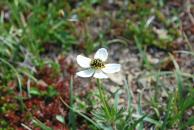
(105, 104)
(102, 97)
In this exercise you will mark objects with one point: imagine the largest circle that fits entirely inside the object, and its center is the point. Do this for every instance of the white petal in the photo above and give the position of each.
(83, 61)
(111, 68)
(101, 54)
(100, 75)
(85, 73)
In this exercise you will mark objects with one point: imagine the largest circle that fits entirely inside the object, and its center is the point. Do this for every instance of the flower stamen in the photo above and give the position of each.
(97, 64)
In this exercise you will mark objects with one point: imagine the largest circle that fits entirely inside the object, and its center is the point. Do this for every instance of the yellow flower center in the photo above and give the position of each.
(97, 64)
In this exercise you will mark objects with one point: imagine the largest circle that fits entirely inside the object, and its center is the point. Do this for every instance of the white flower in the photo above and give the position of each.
(96, 67)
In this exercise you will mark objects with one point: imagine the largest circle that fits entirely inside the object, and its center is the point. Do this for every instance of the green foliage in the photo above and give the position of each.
(40, 124)
(178, 104)
(72, 115)
(140, 26)
(147, 36)
(31, 26)
(112, 116)
(49, 93)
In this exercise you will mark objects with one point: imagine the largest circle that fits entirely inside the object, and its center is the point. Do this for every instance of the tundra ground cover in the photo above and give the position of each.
(151, 40)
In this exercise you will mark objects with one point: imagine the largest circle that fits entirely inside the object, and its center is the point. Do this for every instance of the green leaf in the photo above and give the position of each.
(116, 99)
(139, 121)
(188, 103)
(40, 124)
(52, 91)
(60, 118)
(34, 92)
(189, 123)
(72, 116)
